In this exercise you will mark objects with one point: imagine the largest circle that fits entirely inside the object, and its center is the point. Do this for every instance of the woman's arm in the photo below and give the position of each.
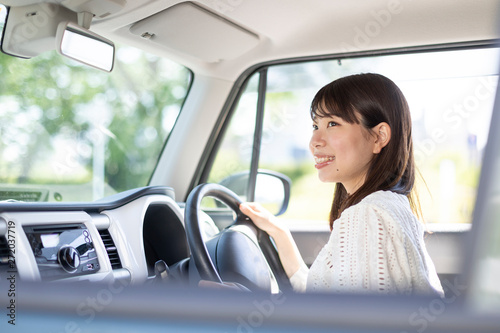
(287, 249)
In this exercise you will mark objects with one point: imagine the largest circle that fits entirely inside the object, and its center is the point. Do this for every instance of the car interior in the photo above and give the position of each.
(132, 130)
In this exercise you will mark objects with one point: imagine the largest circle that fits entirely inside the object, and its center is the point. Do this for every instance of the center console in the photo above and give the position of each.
(62, 250)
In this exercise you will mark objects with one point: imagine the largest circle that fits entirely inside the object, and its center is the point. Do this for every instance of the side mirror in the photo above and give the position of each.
(272, 189)
(83, 45)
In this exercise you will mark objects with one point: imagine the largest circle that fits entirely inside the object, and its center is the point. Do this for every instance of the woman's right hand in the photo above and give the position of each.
(262, 218)
(276, 228)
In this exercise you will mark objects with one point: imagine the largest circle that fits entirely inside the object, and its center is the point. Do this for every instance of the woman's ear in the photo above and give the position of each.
(382, 136)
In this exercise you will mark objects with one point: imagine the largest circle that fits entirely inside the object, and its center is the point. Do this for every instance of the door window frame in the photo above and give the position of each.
(212, 147)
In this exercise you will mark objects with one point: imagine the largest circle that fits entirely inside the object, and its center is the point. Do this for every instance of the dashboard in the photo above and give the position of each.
(117, 238)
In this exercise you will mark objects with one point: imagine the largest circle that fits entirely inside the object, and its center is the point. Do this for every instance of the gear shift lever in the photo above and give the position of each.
(161, 271)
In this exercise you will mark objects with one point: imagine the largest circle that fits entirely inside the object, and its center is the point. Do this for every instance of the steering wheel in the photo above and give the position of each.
(240, 253)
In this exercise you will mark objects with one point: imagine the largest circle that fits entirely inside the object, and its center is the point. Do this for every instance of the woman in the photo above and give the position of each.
(362, 141)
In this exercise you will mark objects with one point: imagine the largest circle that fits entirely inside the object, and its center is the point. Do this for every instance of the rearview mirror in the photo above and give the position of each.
(85, 46)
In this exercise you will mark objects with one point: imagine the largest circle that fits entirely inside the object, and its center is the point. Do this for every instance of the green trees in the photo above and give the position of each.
(64, 123)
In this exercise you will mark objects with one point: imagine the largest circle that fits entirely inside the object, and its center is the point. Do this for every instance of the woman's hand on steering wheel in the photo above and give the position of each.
(288, 252)
(262, 218)
(241, 252)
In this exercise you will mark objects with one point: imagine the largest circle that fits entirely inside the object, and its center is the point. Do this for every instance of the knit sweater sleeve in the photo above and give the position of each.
(299, 279)
(375, 246)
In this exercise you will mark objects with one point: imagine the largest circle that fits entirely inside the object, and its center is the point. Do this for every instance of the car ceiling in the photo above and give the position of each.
(250, 32)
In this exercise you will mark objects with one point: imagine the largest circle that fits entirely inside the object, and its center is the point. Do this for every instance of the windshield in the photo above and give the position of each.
(73, 133)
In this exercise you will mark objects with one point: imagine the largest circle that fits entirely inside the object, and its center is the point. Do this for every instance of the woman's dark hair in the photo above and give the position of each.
(370, 99)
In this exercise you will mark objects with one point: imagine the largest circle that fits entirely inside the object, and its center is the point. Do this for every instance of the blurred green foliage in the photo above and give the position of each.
(56, 114)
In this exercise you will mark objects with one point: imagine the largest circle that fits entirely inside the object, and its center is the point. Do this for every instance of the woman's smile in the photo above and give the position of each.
(322, 161)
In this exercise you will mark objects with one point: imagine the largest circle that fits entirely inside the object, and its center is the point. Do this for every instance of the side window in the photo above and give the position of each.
(286, 133)
(450, 93)
(235, 151)
(451, 97)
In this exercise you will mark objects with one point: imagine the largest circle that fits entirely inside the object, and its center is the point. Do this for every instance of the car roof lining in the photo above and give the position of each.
(314, 27)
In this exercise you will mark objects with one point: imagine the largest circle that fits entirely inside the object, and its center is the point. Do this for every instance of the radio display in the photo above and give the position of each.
(49, 240)
(62, 250)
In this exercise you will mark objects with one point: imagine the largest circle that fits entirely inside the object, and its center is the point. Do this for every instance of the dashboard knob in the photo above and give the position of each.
(69, 259)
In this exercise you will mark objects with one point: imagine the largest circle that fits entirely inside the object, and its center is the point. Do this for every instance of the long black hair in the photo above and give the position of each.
(369, 99)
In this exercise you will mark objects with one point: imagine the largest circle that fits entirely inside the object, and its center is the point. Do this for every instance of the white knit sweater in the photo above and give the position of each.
(375, 246)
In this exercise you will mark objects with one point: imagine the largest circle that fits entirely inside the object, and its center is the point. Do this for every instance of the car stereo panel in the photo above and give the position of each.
(62, 251)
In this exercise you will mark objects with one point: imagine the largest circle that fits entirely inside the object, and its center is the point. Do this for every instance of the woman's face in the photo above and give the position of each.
(342, 151)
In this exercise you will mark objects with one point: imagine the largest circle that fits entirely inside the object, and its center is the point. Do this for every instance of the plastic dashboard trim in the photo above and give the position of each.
(108, 203)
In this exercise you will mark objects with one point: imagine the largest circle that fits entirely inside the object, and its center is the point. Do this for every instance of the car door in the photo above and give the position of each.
(451, 98)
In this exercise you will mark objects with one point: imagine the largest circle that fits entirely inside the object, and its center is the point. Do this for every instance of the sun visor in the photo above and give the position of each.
(196, 31)
(31, 30)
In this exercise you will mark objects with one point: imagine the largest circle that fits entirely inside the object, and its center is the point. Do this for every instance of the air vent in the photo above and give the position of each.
(4, 251)
(111, 249)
